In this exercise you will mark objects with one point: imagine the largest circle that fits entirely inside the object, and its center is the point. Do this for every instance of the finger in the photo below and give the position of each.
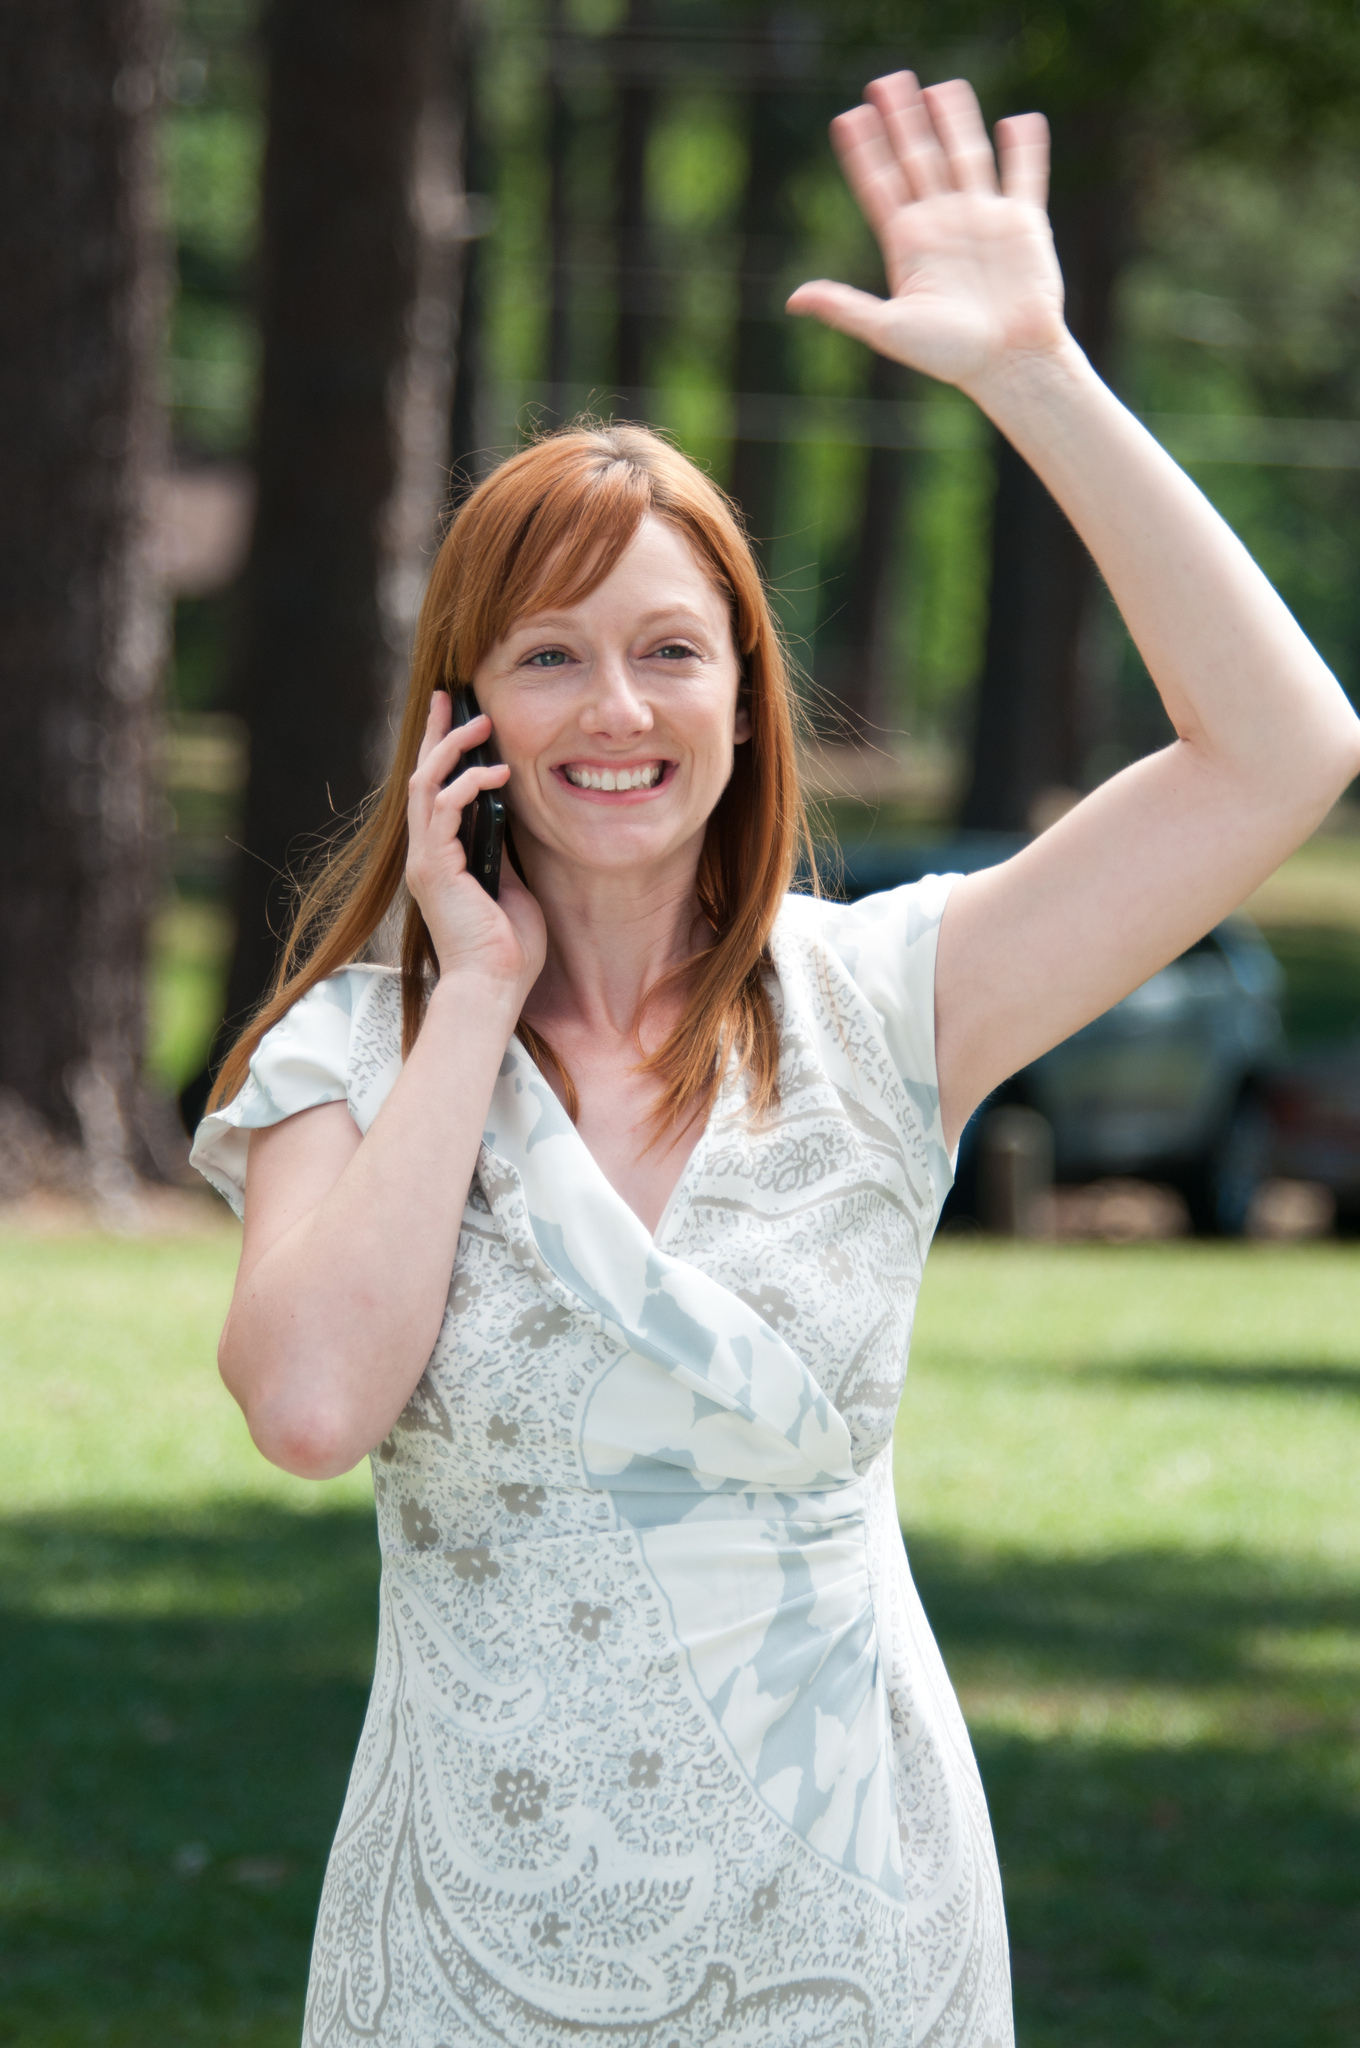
(911, 133)
(1022, 145)
(957, 118)
(437, 761)
(870, 166)
(460, 791)
(466, 732)
(435, 815)
(842, 307)
(436, 725)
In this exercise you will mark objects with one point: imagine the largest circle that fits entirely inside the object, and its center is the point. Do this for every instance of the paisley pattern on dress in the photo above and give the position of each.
(660, 1749)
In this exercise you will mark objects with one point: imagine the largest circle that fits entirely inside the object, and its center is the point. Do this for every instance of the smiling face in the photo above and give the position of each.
(618, 715)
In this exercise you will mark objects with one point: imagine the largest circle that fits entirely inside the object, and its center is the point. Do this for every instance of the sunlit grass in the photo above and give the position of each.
(1084, 1399)
(108, 1358)
(1128, 1483)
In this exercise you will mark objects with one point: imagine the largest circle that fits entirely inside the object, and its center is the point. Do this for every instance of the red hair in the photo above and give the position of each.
(543, 531)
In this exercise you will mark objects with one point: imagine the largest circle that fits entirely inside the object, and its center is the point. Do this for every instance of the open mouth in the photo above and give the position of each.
(645, 776)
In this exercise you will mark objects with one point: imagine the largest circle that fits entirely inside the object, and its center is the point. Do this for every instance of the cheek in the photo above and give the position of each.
(521, 725)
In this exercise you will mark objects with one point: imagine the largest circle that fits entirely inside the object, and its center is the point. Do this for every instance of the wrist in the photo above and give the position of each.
(1024, 381)
(486, 1000)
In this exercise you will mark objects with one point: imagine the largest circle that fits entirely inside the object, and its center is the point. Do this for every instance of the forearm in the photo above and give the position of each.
(1241, 683)
(332, 1324)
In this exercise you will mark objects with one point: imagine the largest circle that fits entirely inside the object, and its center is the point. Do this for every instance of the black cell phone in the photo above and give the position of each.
(482, 826)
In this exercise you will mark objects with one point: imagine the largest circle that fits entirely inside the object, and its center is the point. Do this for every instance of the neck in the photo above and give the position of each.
(611, 937)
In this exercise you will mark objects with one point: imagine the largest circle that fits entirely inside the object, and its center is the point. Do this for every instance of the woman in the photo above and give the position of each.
(660, 1749)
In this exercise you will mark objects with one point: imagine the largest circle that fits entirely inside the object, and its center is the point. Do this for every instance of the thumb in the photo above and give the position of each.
(838, 305)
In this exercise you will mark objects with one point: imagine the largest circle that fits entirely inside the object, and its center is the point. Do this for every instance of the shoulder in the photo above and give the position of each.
(340, 1042)
(873, 928)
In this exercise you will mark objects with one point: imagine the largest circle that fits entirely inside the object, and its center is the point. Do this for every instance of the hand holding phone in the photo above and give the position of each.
(481, 828)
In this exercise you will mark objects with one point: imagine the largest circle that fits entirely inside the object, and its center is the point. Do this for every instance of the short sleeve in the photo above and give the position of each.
(307, 1058)
(887, 944)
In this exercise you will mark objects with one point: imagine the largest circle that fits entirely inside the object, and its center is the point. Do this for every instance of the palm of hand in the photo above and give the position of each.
(971, 275)
(971, 268)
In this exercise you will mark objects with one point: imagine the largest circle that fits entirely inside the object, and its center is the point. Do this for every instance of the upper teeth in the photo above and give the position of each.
(615, 778)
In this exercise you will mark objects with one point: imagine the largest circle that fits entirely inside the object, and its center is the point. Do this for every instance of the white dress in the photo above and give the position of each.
(660, 1750)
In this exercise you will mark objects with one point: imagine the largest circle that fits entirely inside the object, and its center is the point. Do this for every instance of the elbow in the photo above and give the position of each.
(1340, 755)
(310, 1444)
(296, 1428)
(1325, 763)
(1338, 770)
(1351, 756)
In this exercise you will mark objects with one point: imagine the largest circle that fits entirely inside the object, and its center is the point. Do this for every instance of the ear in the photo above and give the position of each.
(741, 730)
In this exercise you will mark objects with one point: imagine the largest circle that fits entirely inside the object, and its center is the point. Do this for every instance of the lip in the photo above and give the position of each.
(613, 796)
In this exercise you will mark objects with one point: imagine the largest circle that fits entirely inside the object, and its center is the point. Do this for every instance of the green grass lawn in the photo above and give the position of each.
(1129, 1484)
(1128, 1479)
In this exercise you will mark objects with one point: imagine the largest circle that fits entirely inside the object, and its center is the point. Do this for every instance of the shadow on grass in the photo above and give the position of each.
(1164, 1886)
(1233, 1379)
(181, 1697)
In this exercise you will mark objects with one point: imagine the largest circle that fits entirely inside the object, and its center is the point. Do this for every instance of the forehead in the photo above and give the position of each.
(657, 573)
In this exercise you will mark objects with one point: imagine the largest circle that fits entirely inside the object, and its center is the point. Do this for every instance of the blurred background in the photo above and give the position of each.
(280, 283)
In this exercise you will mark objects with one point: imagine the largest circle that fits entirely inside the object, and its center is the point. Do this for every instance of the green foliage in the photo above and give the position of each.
(1242, 302)
(212, 149)
(696, 162)
(943, 624)
(1230, 123)
(212, 171)
(191, 943)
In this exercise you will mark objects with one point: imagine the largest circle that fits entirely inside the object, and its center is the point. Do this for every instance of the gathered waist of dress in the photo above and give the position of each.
(430, 1527)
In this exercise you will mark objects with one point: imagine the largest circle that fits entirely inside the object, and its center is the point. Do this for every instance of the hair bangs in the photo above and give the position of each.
(568, 541)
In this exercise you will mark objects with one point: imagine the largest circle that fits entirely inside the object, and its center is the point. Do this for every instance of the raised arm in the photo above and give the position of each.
(1266, 739)
(349, 1242)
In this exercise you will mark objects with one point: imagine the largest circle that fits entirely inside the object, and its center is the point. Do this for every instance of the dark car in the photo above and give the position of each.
(1170, 1085)
(1314, 1100)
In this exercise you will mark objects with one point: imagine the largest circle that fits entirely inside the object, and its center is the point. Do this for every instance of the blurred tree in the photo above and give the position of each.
(362, 221)
(854, 653)
(465, 455)
(636, 281)
(81, 621)
(1125, 90)
(560, 127)
(783, 132)
(1033, 724)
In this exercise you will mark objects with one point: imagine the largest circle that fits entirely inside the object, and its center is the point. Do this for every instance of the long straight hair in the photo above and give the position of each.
(541, 532)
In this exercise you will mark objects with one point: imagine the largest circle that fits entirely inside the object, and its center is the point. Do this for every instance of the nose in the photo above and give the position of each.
(615, 708)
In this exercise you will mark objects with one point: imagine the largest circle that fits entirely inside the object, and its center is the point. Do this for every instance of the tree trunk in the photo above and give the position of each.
(363, 216)
(1033, 712)
(855, 681)
(637, 102)
(466, 455)
(559, 216)
(777, 140)
(82, 624)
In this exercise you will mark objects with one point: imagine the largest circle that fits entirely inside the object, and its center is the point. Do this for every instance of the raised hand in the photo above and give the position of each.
(971, 268)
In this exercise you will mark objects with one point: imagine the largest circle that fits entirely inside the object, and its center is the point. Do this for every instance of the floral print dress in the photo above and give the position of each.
(660, 1750)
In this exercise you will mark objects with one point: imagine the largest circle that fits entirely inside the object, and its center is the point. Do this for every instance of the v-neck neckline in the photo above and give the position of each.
(677, 1201)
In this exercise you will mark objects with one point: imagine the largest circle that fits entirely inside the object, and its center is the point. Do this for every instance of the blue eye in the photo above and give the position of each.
(547, 657)
(676, 650)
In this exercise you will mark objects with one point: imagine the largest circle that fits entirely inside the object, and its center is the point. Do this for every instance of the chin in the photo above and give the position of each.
(619, 846)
